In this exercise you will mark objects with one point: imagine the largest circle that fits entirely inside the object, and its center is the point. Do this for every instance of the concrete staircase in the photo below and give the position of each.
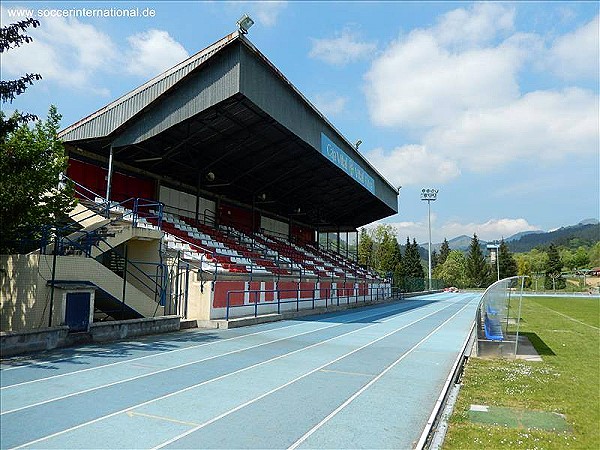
(89, 271)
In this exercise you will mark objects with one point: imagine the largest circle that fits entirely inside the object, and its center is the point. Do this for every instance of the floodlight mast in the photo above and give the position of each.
(429, 195)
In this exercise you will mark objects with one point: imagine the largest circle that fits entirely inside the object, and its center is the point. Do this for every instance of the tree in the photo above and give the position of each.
(506, 262)
(12, 36)
(434, 259)
(594, 255)
(554, 279)
(453, 271)
(412, 260)
(365, 249)
(444, 252)
(524, 268)
(580, 258)
(389, 254)
(31, 161)
(478, 270)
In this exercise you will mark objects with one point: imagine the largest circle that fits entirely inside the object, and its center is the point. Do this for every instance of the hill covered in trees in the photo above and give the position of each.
(571, 237)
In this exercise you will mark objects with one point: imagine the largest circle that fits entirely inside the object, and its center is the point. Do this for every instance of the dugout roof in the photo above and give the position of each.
(226, 123)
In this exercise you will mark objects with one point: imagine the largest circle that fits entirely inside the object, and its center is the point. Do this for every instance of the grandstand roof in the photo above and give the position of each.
(229, 111)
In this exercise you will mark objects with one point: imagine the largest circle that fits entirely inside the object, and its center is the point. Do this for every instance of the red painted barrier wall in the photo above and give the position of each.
(220, 294)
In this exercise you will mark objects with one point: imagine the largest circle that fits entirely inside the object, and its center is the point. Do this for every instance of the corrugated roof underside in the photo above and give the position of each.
(106, 120)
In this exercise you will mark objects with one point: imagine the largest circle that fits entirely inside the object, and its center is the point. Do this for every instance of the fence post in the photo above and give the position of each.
(255, 303)
(53, 278)
(227, 307)
(135, 211)
(298, 299)
(278, 300)
(124, 282)
(313, 299)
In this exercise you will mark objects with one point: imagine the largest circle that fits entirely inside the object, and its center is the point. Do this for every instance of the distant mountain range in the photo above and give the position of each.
(586, 232)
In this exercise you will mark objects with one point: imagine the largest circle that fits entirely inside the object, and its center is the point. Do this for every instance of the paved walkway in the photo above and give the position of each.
(364, 378)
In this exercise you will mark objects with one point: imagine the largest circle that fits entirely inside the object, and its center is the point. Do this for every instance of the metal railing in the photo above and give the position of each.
(374, 294)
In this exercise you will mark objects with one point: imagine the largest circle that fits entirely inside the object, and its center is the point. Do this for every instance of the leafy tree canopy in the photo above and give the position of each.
(31, 161)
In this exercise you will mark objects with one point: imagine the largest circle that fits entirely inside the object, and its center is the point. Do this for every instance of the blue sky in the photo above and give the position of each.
(495, 104)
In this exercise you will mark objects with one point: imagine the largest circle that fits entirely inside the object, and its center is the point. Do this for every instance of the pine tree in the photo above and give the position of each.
(478, 270)
(507, 263)
(444, 252)
(412, 260)
(434, 259)
(554, 279)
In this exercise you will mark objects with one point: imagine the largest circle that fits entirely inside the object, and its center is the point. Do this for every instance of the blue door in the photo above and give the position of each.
(78, 311)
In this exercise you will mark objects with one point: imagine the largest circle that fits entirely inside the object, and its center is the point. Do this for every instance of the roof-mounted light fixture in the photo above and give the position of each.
(245, 23)
(357, 144)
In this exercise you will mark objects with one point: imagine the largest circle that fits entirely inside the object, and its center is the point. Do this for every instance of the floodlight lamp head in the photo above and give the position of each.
(429, 194)
(245, 23)
(210, 176)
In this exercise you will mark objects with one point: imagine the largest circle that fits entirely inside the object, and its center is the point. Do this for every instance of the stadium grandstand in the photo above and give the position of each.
(212, 189)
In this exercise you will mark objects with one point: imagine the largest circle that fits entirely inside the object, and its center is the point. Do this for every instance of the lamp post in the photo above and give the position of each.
(429, 195)
(495, 255)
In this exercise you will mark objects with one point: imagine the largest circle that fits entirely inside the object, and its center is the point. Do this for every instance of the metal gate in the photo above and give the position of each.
(77, 315)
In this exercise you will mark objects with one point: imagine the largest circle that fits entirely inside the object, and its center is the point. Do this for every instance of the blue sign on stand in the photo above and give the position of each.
(341, 159)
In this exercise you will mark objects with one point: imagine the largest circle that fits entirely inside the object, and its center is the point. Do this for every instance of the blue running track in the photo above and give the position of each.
(362, 378)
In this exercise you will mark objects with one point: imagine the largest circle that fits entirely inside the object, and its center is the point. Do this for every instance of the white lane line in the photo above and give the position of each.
(179, 366)
(156, 354)
(130, 408)
(249, 402)
(568, 317)
(370, 383)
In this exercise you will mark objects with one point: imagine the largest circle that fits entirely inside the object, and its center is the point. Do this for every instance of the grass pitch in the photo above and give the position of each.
(566, 332)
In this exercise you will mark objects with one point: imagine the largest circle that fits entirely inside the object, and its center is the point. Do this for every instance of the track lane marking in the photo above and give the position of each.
(161, 418)
(370, 383)
(272, 391)
(168, 352)
(179, 366)
(130, 408)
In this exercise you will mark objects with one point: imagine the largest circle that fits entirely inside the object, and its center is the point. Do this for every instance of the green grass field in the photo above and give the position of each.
(566, 333)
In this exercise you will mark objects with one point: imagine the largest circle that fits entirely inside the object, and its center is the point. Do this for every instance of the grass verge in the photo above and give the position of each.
(565, 332)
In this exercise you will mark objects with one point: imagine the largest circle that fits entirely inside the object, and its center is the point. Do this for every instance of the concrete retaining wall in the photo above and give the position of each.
(18, 342)
(121, 329)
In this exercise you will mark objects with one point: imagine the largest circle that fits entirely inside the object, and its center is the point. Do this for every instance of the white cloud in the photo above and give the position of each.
(487, 231)
(343, 49)
(482, 23)
(577, 54)
(73, 54)
(417, 82)
(64, 51)
(456, 87)
(330, 103)
(412, 164)
(267, 12)
(492, 229)
(152, 52)
(541, 125)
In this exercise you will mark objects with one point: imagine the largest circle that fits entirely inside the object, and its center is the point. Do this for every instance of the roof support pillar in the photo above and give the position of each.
(198, 187)
(110, 172)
